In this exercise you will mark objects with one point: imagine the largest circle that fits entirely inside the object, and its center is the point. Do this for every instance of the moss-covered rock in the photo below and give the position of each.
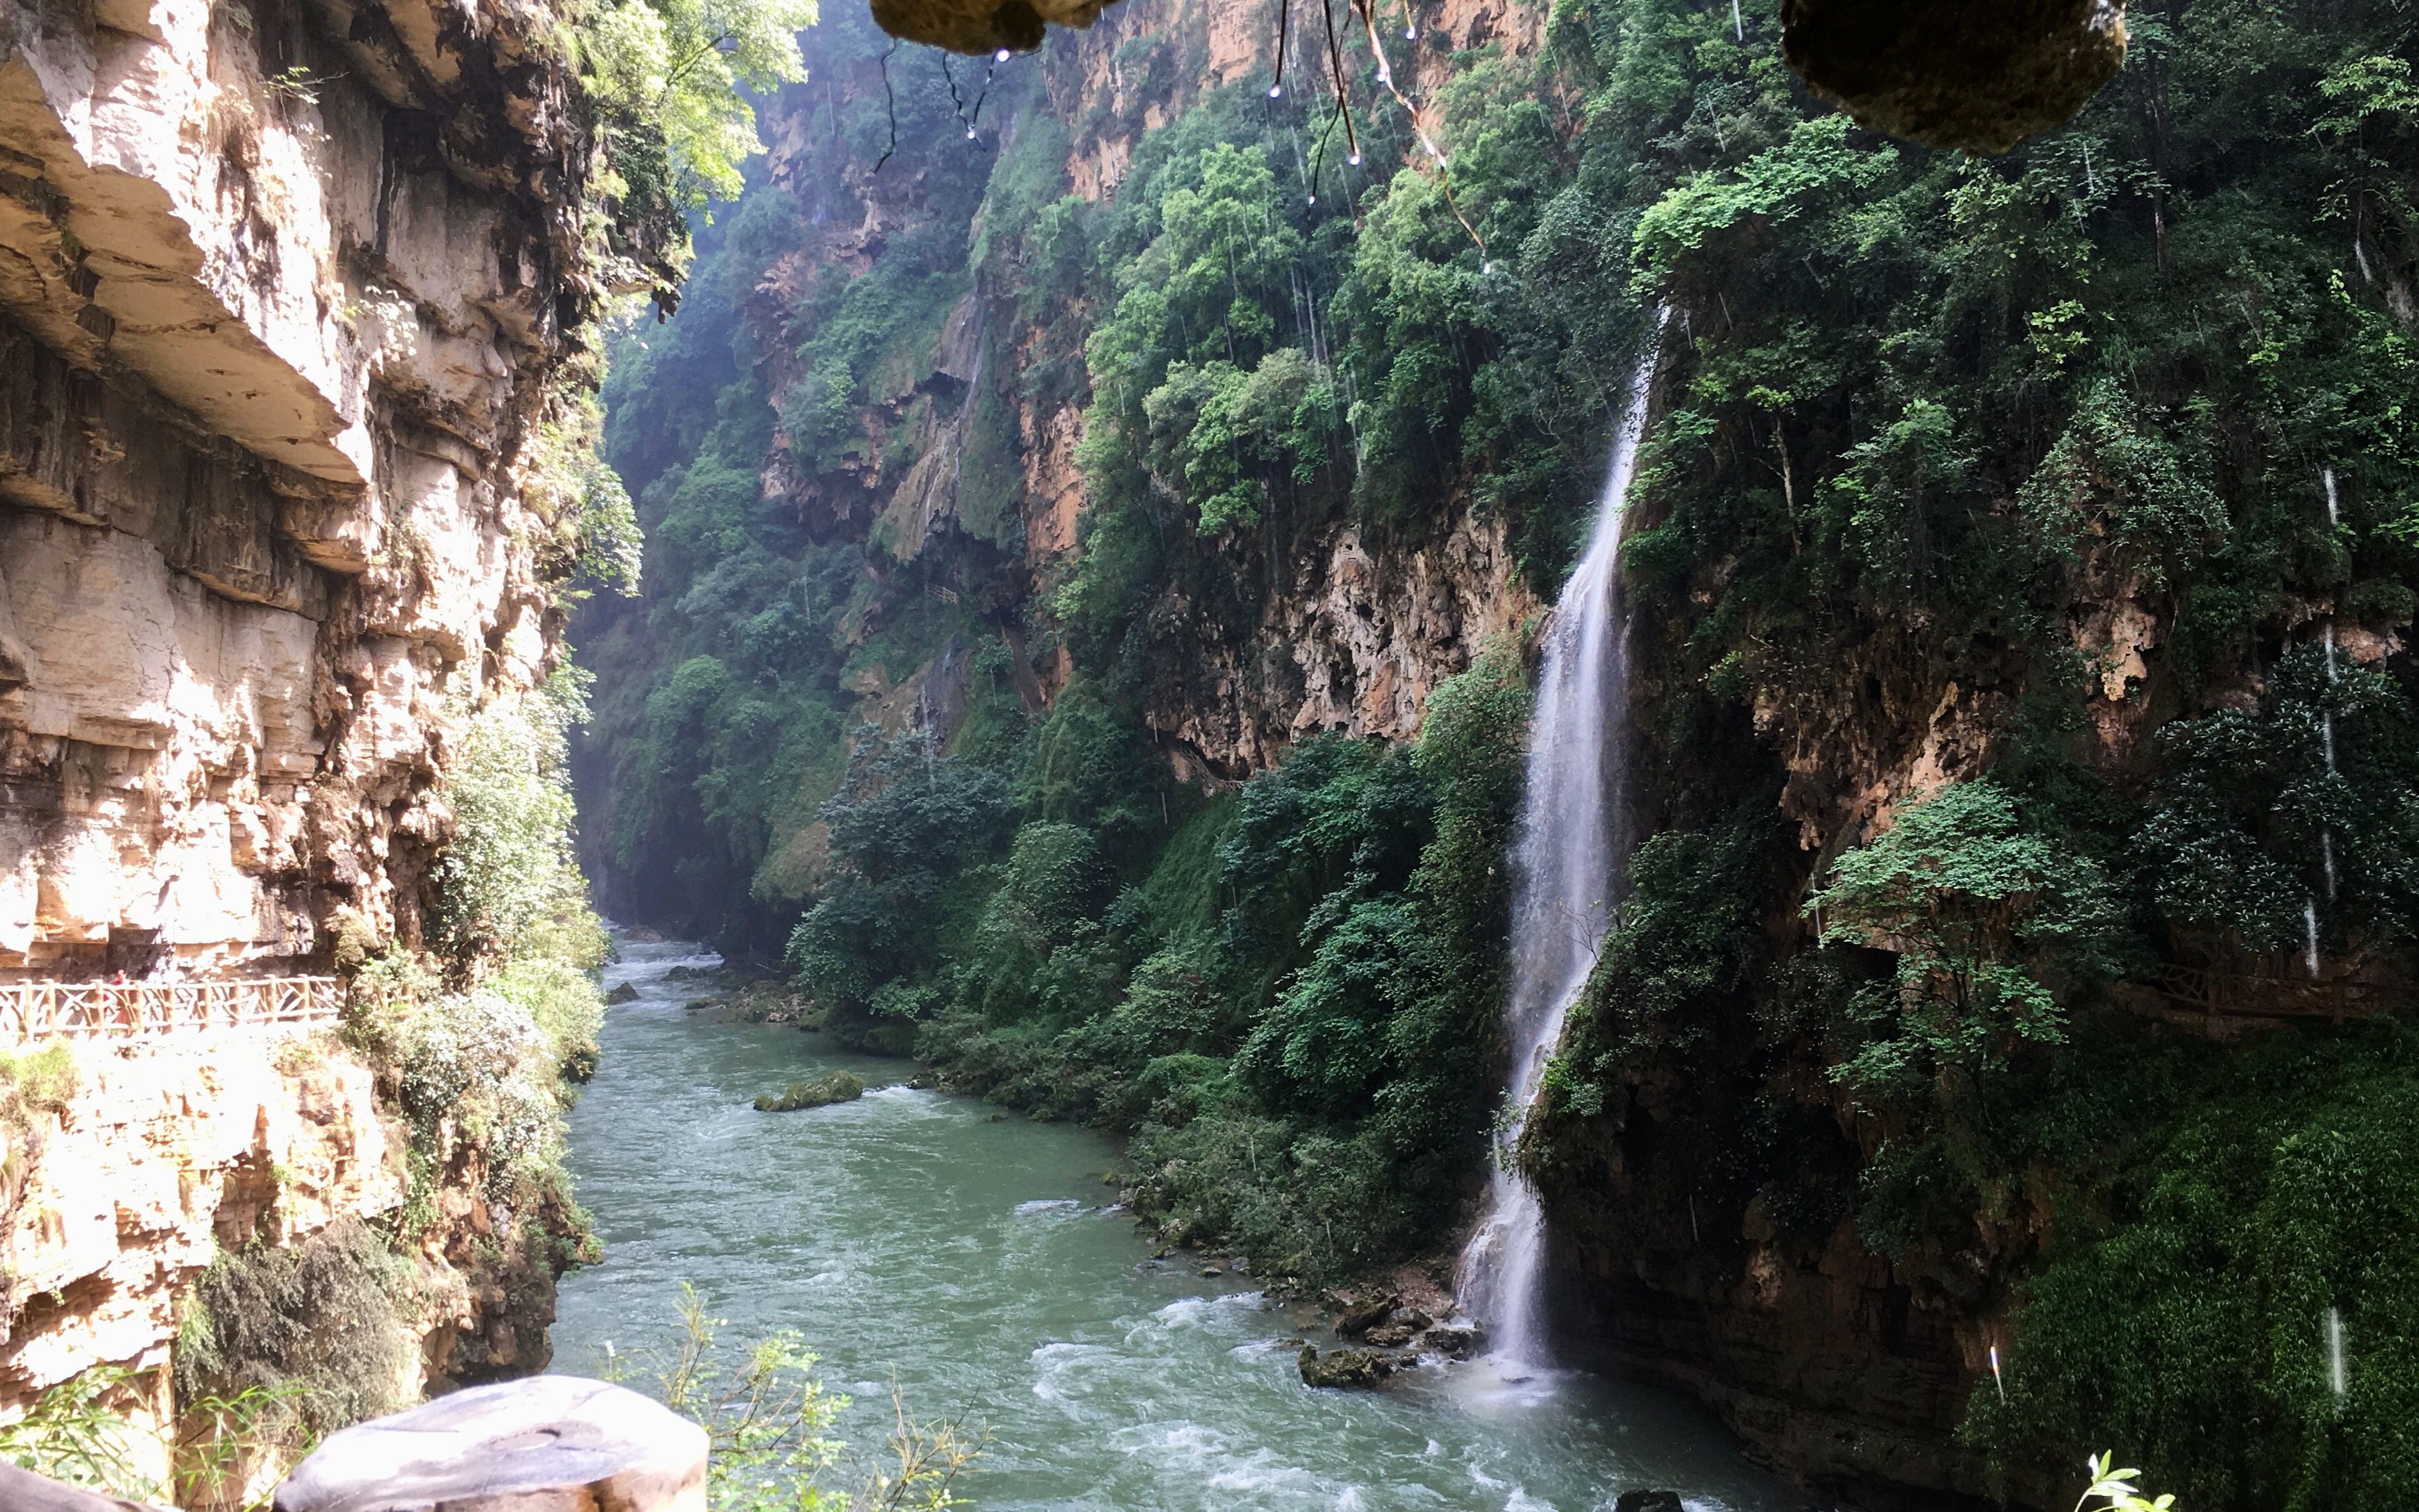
(1343, 1367)
(839, 1087)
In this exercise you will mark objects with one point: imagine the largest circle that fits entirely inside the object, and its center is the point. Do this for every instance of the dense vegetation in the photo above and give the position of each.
(2090, 467)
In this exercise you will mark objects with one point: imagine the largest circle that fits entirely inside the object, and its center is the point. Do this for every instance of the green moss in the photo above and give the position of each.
(839, 1087)
(321, 1327)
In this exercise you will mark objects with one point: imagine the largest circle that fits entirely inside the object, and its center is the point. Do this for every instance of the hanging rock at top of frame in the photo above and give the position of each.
(979, 26)
(1978, 74)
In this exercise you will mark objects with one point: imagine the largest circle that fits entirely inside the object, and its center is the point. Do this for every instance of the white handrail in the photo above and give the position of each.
(32, 1011)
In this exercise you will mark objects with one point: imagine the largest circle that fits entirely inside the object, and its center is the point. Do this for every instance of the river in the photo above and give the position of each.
(978, 1259)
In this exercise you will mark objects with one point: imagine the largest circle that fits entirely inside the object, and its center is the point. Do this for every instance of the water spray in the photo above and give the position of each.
(1996, 1379)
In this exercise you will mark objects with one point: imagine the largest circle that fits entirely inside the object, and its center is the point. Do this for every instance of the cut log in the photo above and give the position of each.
(534, 1446)
(21, 1490)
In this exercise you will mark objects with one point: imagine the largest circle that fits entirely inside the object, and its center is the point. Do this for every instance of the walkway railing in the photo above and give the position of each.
(138, 1009)
(2228, 1005)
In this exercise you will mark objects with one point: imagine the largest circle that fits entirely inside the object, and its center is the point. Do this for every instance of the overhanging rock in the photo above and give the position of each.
(1978, 74)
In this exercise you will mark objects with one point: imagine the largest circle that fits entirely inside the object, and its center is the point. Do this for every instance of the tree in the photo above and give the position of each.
(675, 68)
(1983, 916)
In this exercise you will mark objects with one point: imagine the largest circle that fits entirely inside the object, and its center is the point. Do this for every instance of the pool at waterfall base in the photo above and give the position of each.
(979, 1262)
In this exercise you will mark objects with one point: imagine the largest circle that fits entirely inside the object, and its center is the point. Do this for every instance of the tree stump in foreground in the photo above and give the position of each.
(533, 1445)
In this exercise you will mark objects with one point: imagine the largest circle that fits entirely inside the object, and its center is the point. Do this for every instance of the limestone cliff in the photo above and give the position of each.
(947, 449)
(283, 289)
(291, 298)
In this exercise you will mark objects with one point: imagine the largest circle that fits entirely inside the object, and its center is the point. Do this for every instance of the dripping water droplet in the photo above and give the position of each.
(1354, 159)
(1001, 57)
(1276, 91)
(1411, 34)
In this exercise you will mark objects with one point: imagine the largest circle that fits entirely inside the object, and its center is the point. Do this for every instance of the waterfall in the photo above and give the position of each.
(1564, 875)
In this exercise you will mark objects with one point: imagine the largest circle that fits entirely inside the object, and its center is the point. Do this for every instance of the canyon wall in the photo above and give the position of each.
(283, 288)
(1126, 416)
(292, 302)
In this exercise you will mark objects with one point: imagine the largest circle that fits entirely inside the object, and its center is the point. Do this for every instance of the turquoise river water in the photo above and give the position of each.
(979, 1262)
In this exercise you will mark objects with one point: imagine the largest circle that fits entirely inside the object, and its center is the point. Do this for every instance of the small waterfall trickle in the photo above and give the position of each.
(2328, 476)
(1564, 866)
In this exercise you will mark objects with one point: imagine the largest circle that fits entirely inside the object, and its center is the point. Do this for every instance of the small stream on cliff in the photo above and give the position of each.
(978, 1257)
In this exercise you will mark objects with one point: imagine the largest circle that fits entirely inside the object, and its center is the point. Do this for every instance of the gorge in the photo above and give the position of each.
(1099, 536)
(1848, 849)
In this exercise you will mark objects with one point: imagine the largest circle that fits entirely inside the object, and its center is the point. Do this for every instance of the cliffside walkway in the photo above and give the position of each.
(2229, 1005)
(32, 1011)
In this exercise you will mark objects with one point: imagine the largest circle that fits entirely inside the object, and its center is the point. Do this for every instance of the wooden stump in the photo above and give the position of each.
(542, 1444)
(21, 1490)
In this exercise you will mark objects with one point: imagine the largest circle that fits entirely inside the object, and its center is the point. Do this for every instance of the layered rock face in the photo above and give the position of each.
(121, 1194)
(289, 299)
(281, 287)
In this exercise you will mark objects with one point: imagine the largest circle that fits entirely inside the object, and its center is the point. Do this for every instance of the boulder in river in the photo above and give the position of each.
(1367, 1314)
(1647, 1501)
(1460, 1343)
(1343, 1367)
(626, 993)
(839, 1087)
(641, 934)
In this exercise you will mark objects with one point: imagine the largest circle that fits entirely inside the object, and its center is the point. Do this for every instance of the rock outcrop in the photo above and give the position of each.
(284, 290)
(154, 1158)
(292, 293)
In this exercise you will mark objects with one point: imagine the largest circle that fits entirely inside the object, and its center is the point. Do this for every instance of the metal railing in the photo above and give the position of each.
(137, 1010)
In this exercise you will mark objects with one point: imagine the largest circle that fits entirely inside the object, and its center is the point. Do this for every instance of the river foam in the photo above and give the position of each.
(909, 1234)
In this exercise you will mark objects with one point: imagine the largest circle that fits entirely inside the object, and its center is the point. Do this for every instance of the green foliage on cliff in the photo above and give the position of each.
(317, 1332)
(1993, 926)
(678, 73)
(2272, 1193)
(2051, 477)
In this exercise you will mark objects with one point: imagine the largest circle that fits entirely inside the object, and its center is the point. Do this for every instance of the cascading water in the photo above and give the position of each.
(1563, 872)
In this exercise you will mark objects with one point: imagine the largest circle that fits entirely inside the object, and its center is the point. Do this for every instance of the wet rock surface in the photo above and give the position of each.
(1978, 74)
(1341, 1369)
(1366, 1316)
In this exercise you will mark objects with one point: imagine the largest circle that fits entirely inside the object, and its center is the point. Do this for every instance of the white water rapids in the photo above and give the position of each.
(1565, 870)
